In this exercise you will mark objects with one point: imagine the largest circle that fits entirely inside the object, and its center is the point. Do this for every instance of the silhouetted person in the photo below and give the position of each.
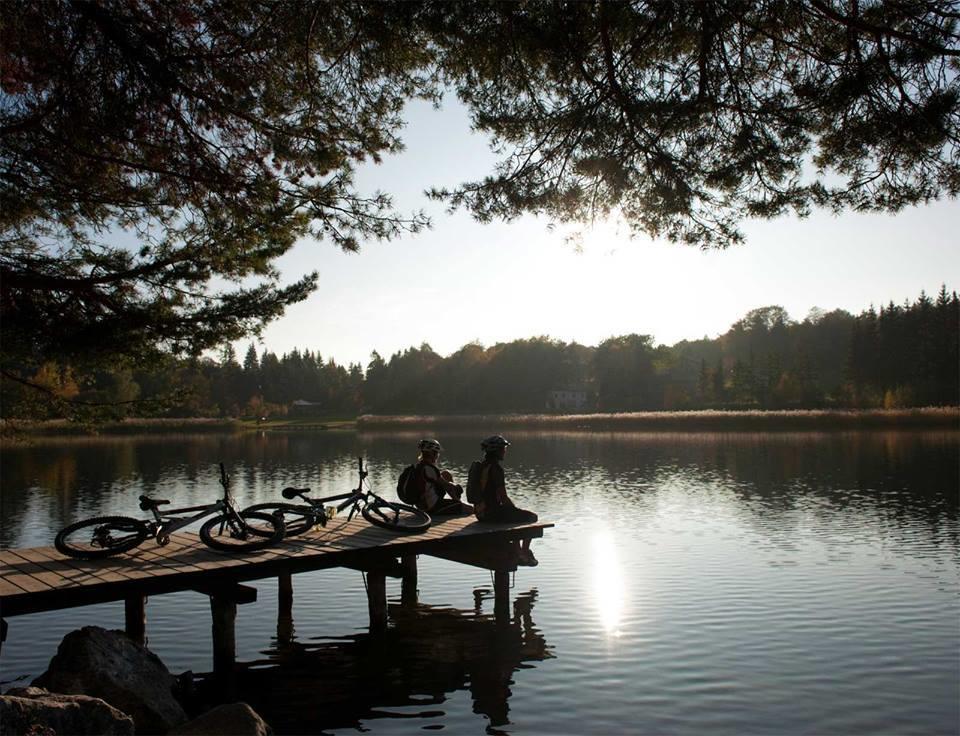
(488, 489)
(436, 492)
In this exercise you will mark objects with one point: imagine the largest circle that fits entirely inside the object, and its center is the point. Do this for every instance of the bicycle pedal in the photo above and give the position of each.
(330, 511)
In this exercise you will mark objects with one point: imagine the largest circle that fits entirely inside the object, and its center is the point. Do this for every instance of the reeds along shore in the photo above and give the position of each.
(693, 421)
(61, 427)
(941, 418)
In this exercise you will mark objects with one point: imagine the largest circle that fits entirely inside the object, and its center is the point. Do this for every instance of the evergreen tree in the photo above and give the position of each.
(251, 363)
(718, 390)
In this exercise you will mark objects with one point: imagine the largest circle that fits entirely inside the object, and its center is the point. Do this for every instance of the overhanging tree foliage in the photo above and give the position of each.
(686, 118)
(158, 157)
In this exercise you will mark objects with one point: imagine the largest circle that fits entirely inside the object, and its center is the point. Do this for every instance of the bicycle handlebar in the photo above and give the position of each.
(363, 473)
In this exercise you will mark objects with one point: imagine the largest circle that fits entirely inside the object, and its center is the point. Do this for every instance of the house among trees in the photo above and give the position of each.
(304, 408)
(567, 400)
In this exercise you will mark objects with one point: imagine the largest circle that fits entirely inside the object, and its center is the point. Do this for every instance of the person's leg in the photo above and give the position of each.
(511, 515)
(527, 557)
(450, 507)
(527, 517)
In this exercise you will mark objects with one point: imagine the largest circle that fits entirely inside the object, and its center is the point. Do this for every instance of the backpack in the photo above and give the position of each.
(475, 482)
(407, 491)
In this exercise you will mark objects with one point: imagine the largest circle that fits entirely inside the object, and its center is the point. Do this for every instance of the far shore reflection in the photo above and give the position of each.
(51, 484)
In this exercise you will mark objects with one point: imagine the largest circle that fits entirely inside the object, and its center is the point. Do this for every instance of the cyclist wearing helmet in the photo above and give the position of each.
(494, 505)
(433, 484)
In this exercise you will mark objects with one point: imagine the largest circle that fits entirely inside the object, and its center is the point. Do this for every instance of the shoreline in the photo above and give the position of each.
(944, 418)
(12, 429)
(941, 418)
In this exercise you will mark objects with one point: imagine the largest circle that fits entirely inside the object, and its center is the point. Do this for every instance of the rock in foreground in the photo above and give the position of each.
(109, 665)
(34, 710)
(234, 719)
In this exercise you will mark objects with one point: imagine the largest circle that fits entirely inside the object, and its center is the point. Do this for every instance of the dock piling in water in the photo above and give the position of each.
(377, 600)
(408, 585)
(135, 618)
(224, 614)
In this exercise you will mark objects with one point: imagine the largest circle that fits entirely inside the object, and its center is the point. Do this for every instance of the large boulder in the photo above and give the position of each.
(109, 665)
(33, 710)
(233, 719)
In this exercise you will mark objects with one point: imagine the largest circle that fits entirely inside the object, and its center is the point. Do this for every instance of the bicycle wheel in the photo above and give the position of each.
(101, 536)
(297, 519)
(397, 517)
(258, 530)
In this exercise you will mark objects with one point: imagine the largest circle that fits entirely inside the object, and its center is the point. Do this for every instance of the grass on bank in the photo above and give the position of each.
(696, 421)
(198, 425)
(60, 427)
(675, 421)
(292, 423)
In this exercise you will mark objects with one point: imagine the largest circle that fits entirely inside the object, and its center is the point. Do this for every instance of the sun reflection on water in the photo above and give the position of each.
(608, 585)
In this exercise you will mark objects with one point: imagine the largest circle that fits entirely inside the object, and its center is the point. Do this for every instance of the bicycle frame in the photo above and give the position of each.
(315, 513)
(162, 527)
(354, 498)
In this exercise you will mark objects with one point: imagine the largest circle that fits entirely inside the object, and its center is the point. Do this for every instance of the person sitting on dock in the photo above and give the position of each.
(487, 490)
(435, 491)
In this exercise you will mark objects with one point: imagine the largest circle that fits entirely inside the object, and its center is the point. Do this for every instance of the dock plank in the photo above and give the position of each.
(27, 582)
(32, 566)
(50, 559)
(8, 588)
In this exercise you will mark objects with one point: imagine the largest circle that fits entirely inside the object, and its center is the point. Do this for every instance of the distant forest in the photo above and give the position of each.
(897, 356)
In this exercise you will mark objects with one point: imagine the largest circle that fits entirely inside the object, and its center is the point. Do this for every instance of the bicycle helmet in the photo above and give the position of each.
(429, 446)
(496, 442)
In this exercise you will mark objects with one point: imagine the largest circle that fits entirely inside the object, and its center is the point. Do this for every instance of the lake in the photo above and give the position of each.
(728, 583)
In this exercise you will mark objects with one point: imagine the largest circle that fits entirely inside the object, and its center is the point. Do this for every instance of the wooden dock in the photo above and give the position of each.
(41, 579)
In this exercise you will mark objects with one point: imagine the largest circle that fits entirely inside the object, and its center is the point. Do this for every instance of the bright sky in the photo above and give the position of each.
(462, 281)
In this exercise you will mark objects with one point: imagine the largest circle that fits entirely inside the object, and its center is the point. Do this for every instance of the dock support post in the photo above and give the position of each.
(224, 613)
(135, 618)
(377, 600)
(3, 632)
(408, 584)
(284, 608)
(501, 596)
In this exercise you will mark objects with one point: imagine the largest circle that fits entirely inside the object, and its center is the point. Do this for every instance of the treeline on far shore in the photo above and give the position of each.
(897, 357)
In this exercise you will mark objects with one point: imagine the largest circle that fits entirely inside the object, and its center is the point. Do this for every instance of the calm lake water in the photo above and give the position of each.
(693, 584)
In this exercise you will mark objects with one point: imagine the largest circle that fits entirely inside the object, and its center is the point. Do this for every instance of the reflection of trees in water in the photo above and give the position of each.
(852, 458)
(902, 475)
(428, 652)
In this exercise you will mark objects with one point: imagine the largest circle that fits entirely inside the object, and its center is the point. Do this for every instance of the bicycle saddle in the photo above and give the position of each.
(147, 503)
(293, 492)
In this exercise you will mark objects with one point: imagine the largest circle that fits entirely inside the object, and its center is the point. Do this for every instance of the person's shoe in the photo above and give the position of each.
(526, 559)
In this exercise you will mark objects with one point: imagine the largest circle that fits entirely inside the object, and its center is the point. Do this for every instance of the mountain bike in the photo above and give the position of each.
(229, 530)
(299, 518)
